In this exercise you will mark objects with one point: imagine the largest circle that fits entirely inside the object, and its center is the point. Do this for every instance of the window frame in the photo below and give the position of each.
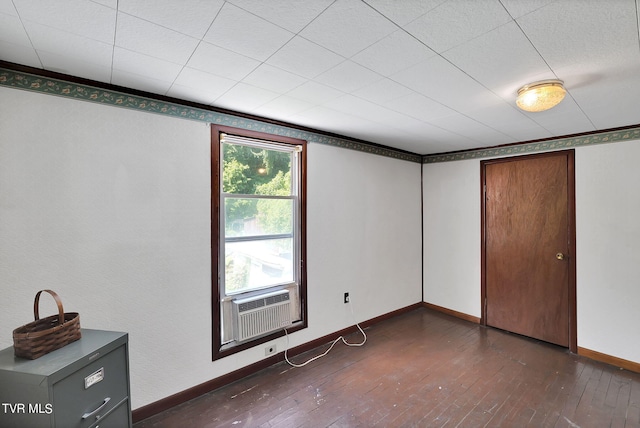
(221, 350)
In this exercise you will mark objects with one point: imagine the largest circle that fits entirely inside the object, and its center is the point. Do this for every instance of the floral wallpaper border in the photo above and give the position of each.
(36, 83)
(46, 85)
(541, 146)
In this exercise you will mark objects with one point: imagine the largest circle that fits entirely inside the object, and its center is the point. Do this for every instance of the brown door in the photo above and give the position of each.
(529, 269)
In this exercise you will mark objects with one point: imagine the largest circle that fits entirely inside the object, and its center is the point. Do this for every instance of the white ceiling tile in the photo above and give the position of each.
(7, 8)
(288, 14)
(347, 77)
(456, 22)
(81, 17)
(441, 81)
(347, 27)
(113, 4)
(373, 112)
(610, 96)
(245, 98)
(417, 77)
(413, 143)
(382, 124)
(420, 107)
(518, 8)
(273, 79)
(405, 11)
(396, 120)
(141, 82)
(438, 140)
(522, 126)
(394, 53)
(191, 17)
(564, 122)
(484, 99)
(311, 118)
(583, 32)
(314, 92)
(60, 42)
(153, 40)
(74, 66)
(459, 143)
(501, 57)
(197, 95)
(382, 91)
(355, 106)
(424, 134)
(211, 86)
(330, 120)
(246, 34)
(142, 65)
(12, 31)
(19, 54)
(222, 62)
(302, 57)
(383, 134)
(530, 134)
(615, 112)
(472, 129)
(502, 116)
(282, 107)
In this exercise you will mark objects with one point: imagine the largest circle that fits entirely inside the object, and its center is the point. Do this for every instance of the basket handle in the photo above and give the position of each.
(36, 303)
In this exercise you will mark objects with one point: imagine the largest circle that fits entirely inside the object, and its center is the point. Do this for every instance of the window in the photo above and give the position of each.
(258, 237)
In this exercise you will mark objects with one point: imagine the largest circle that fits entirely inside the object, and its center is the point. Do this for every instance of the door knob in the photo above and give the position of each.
(560, 256)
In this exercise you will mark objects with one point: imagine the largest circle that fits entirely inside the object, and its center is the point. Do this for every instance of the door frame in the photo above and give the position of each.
(571, 213)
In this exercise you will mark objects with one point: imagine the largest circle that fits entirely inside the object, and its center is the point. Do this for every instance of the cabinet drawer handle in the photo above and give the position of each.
(87, 415)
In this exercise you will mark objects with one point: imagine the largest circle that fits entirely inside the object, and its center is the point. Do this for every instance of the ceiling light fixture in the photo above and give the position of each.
(540, 96)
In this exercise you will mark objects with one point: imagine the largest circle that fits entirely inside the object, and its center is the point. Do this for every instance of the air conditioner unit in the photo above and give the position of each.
(259, 315)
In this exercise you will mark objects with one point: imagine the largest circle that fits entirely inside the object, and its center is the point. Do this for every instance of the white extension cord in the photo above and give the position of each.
(364, 340)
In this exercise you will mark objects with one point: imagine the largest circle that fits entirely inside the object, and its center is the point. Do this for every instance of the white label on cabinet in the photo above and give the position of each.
(94, 378)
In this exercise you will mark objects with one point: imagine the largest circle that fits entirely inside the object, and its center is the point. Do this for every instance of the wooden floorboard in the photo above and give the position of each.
(424, 369)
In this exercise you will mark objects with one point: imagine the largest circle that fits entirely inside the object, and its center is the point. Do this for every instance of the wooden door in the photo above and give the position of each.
(529, 235)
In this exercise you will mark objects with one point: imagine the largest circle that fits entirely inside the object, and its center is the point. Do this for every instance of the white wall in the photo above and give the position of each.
(607, 235)
(364, 220)
(608, 249)
(111, 208)
(452, 235)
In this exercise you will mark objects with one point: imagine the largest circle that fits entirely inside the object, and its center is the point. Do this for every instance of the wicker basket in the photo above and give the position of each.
(42, 336)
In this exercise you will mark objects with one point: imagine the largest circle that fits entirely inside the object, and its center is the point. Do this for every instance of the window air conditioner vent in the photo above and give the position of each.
(259, 315)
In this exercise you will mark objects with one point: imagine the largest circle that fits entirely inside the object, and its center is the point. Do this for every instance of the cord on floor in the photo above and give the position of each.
(364, 340)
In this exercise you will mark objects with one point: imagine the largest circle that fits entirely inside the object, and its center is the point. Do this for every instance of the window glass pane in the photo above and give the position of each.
(255, 171)
(256, 264)
(257, 216)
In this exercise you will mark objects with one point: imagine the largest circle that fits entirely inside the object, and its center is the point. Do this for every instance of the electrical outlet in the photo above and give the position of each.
(346, 297)
(270, 350)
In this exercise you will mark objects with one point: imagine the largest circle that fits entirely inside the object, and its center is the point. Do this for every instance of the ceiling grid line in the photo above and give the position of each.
(113, 48)
(638, 21)
(427, 46)
(281, 47)
(198, 45)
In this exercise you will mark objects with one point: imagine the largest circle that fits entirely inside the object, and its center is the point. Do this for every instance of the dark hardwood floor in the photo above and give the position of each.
(424, 369)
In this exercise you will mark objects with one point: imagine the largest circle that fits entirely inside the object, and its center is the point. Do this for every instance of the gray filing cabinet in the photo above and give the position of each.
(84, 384)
